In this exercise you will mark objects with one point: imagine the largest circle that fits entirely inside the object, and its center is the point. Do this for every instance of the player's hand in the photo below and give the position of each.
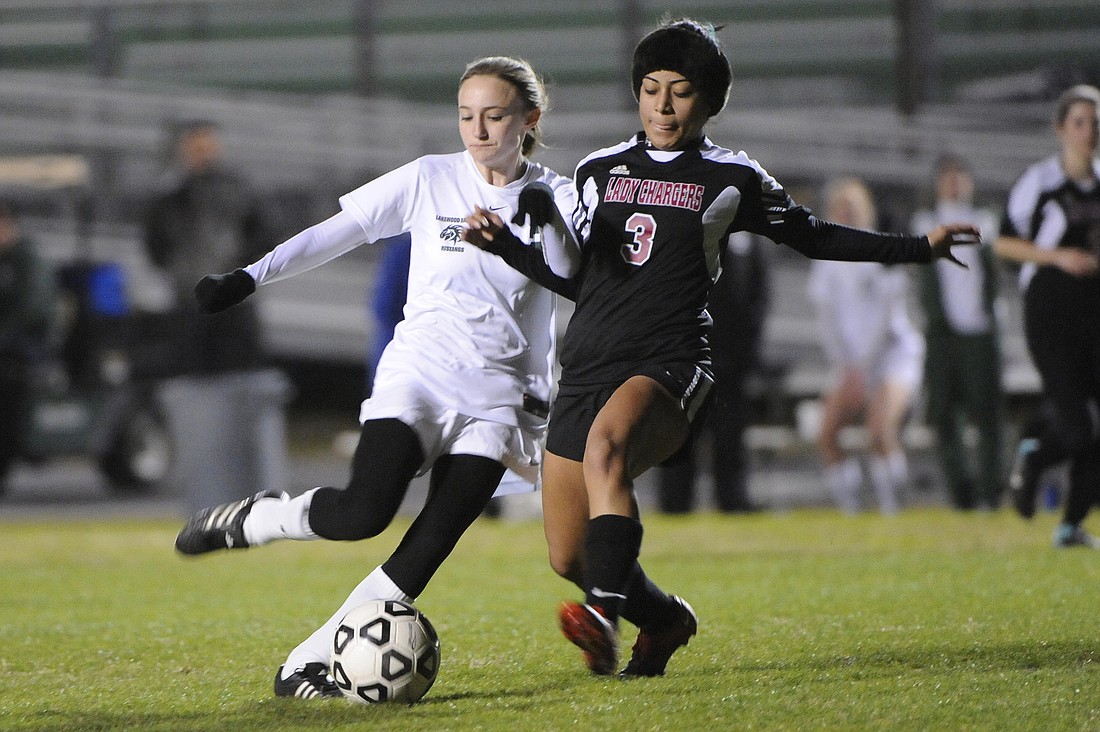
(218, 292)
(942, 238)
(482, 228)
(537, 201)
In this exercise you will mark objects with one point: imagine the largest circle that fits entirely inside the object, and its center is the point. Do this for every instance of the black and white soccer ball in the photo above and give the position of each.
(385, 651)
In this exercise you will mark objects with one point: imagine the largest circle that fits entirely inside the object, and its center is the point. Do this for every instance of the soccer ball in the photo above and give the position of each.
(385, 651)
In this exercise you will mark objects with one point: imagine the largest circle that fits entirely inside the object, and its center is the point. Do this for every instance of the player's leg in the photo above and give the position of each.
(889, 468)
(385, 461)
(842, 406)
(981, 380)
(642, 424)
(387, 458)
(565, 515)
(1053, 346)
(565, 522)
(1075, 396)
(460, 487)
(947, 386)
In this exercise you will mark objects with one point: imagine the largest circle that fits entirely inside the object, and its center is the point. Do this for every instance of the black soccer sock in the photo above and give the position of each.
(1084, 485)
(385, 461)
(461, 485)
(646, 605)
(611, 549)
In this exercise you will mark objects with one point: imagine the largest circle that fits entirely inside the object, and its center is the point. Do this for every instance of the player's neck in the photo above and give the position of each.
(503, 176)
(1078, 168)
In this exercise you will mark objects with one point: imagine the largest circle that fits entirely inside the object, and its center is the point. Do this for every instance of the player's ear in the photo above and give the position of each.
(533, 117)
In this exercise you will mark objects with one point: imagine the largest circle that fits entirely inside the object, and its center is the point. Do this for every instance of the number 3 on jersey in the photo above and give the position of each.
(643, 227)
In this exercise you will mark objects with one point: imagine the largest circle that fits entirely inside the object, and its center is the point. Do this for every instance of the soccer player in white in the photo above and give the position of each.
(462, 390)
(877, 355)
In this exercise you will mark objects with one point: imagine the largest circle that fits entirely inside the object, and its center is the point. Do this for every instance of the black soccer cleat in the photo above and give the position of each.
(309, 682)
(219, 527)
(655, 646)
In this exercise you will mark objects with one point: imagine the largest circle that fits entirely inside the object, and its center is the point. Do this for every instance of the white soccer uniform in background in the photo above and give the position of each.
(863, 310)
(478, 338)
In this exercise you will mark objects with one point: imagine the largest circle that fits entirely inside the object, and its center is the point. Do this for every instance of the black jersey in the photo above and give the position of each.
(1047, 208)
(652, 233)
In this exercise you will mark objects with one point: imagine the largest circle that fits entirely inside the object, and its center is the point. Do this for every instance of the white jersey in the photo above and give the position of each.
(962, 291)
(863, 310)
(478, 338)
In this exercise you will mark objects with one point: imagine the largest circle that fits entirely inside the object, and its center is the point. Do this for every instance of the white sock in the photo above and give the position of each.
(884, 483)
(272, 518)
(377, 586)
(899, 467)
(843, 480)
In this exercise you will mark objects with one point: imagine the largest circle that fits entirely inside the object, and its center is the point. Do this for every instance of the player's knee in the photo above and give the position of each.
(604, 455)
(348, 518)
(567, 566)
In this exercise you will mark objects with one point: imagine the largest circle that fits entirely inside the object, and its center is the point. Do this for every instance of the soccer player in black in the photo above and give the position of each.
(1052, 225)
(652, 214)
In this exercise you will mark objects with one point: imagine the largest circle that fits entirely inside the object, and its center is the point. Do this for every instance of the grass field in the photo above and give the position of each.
(933, 620)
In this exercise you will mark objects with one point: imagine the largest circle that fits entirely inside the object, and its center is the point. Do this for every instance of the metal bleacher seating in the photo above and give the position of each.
(812, 99)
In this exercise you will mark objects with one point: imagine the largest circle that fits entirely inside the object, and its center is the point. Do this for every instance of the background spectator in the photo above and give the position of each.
(208, 218)
(739, 306)
(28, 299)
(963, 362)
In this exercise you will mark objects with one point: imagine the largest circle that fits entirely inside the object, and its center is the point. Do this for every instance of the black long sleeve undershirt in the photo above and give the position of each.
(819, 239)
(808, 235)
(531, 262)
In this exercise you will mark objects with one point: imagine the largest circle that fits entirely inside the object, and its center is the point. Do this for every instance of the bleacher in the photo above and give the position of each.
(813, 98)
(845, 47)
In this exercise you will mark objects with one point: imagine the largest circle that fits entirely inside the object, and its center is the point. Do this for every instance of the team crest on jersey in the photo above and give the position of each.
(648, 192)
(452, 238)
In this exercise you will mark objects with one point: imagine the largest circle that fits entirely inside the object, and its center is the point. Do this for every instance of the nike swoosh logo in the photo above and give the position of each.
(497, 208)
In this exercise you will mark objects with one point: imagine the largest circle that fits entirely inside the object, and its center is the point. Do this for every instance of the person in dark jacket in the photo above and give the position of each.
(208, 217)
(963, 356)
(28, 299)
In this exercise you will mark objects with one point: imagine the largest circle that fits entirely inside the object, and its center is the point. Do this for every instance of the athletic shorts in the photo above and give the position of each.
(901, 363)
(574, 410)
(445, 431)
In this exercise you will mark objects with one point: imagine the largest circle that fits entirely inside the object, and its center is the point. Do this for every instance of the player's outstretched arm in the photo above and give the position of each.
(820, 239)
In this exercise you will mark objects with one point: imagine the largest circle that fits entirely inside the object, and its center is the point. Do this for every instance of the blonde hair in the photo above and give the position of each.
(520, 74)
(848, 201)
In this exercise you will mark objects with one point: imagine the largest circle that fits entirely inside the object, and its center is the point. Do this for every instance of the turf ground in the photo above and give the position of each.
(933, 620)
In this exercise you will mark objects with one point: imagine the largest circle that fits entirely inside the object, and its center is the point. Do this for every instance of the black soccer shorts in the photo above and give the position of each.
(575, 409)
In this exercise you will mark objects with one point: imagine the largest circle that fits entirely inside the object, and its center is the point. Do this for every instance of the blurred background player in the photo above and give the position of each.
(875, 352)
(1052, 226)
(963, 361)
(207, 218)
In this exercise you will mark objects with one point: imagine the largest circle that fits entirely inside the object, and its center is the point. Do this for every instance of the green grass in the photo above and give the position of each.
(930, 621)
